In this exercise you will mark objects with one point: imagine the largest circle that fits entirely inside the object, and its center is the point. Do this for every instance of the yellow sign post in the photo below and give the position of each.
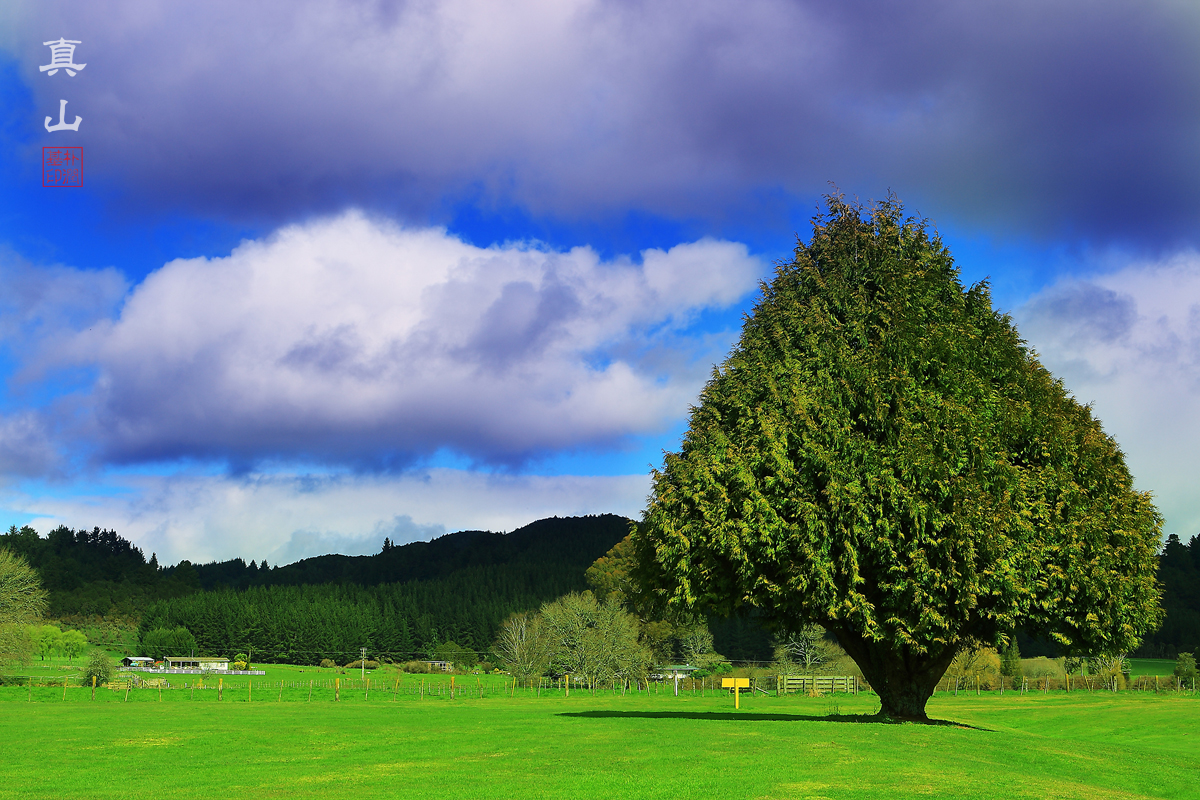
(737, 684)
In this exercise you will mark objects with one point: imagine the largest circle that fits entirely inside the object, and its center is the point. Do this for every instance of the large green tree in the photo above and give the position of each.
(22, 602)
(882, 455)
(72, 644)
(47, 639)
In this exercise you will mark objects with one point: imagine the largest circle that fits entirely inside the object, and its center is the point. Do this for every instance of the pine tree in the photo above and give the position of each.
(883, 456)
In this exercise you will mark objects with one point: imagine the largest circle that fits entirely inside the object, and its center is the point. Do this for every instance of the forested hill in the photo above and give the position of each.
(568, 544)
(443, 598)
(99, 573)
(406, 598)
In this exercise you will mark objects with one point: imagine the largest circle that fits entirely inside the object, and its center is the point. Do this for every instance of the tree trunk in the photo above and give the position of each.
(903, 680)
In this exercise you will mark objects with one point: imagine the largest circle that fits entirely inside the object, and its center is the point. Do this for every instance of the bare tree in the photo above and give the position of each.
(596, 641)
(806, 648)
(697, 645)
(973, 662)
(1111, 667)
(803, 650)
(524, 646)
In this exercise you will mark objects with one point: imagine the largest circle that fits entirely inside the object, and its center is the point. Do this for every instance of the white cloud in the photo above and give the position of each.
(286, 517)
(1129, 342)
(353, 340)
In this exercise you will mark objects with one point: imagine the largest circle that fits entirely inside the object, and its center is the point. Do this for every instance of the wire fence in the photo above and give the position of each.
(132, 686)
(202, 688)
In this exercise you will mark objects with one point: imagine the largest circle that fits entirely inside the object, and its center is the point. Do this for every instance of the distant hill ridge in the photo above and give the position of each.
(99, 573)
(564, 542)
(460, 584)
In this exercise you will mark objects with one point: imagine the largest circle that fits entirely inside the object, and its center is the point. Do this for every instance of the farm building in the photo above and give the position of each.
(197, 662)
(137, 661)
(675, 671)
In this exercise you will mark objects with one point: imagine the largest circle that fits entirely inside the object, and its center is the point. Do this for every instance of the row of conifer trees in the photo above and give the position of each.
(308, 624)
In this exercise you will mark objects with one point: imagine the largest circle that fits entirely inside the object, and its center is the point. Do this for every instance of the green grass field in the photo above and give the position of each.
(1085, 745)
(1152, 666)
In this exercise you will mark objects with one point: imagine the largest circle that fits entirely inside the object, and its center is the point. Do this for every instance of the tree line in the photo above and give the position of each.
(1179, 573)
(399, 621)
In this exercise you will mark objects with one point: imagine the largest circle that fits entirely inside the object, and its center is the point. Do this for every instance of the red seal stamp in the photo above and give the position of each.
(62, 166)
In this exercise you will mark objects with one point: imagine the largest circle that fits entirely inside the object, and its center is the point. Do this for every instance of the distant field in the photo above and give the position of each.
(1093, 745)
(1152, 666)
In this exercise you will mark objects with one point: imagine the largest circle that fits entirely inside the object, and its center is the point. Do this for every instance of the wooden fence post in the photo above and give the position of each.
(337, 690)
(93, 687)
(310, 683)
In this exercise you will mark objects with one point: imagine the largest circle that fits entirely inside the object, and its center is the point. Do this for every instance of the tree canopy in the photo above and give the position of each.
(161, 643)
(881, 454)
(22, 602)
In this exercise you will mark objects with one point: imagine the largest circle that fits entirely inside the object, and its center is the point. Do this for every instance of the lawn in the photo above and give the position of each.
(1097, 745)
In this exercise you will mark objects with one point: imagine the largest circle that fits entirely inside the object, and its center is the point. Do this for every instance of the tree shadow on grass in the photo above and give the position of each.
(743, 716)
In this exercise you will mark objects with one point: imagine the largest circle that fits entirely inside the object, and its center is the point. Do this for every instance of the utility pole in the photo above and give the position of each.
(363, 663)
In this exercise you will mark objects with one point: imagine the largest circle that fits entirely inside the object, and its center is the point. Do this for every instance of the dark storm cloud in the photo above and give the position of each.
(1057, 118)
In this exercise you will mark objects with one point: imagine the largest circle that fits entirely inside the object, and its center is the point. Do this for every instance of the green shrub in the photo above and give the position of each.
(327, 663)
(99, 666)
(359, 664)
(1185, 666)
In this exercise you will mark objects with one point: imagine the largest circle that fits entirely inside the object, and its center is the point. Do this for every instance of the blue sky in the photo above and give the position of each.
(340, 270)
